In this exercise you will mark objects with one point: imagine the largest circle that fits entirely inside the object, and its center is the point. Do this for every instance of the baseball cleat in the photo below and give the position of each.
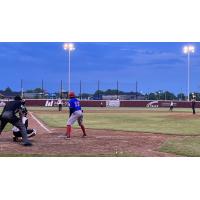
(32, 134)
(67, 137)
(27, 144)
(16, 139)
(84, 135)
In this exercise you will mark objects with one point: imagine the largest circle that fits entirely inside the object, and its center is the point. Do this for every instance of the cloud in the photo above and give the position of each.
(154, 58)
(93, 61)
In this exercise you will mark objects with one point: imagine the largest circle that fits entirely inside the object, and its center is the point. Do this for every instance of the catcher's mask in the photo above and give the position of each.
(17, 98)
(23, 102)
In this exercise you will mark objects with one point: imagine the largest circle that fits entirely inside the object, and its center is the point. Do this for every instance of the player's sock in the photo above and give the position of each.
(68, 133)
(83, 129)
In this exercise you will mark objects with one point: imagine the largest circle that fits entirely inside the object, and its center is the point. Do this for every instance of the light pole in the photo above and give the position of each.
(69, 47)
(188, 50)
(22, 90)
(159, 94)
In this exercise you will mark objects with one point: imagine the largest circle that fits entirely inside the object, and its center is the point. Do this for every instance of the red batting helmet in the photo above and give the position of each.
(71, 94)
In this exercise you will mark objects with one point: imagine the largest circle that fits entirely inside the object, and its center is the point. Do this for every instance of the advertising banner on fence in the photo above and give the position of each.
(113, 103)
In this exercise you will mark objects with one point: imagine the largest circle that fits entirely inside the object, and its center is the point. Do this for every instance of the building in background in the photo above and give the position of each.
(137, 96)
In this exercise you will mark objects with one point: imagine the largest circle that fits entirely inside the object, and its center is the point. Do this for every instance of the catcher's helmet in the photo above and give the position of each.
(17, 98)
(71, 95)
(24, 110)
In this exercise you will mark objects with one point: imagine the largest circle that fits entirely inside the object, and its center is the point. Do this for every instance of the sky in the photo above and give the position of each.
(154, 65)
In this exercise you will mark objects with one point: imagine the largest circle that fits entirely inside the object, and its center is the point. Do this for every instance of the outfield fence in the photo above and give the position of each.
(110, 103)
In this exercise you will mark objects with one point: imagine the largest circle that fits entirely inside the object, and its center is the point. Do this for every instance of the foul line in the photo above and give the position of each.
(42, 125)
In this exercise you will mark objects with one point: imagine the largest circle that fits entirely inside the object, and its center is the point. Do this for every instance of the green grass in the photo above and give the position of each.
(8, 127)
(39, 108)
(155, 122)
(189, 146)
(43, 108)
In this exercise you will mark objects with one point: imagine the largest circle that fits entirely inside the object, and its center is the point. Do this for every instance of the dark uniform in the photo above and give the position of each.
(9, 116)
(193, 106)
(60, 104)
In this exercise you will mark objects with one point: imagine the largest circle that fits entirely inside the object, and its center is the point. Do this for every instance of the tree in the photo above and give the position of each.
(8, 89)
(197, 96)
(170, 95)
(29, 91)
(152, 96)
(85, 95)
(98, 92)
(1, 96)
(38, 90)
(165, 95)
(113, 92)
(181, 96)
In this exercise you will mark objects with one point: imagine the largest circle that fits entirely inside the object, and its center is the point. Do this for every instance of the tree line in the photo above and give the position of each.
(158, 95)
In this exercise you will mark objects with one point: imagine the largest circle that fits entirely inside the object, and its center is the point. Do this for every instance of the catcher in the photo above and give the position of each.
(17, 135)
(8, 115)
(76, 114)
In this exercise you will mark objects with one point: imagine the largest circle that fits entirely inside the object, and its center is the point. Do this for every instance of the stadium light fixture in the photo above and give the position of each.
(69, 47)
(188, 50)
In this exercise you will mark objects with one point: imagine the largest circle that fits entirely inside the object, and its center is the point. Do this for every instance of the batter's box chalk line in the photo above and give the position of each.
(40, 123)
(109, 136)
(62, 136)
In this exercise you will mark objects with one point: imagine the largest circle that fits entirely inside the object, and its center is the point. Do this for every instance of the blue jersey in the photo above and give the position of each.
(74, 105)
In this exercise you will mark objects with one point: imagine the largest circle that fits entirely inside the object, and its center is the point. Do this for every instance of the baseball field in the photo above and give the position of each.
(111, 132)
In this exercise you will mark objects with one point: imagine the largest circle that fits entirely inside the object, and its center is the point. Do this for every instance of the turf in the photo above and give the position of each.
(36, 108)
(189, 146)
(8, 127)
(154, 122)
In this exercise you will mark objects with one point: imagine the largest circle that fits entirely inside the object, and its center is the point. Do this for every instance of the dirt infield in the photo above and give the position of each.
(98, 143)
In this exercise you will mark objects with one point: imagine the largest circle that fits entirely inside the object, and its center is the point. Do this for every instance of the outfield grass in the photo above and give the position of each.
(189, 146)
(43, 108)
(111, 108)
(8, 127)
(155, 122)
